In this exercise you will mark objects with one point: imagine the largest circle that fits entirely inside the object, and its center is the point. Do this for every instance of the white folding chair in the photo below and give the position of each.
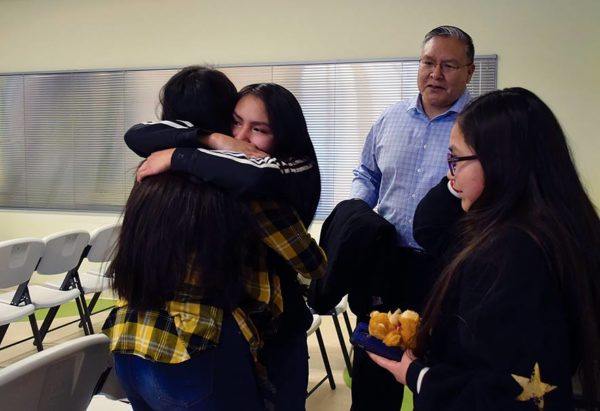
(62, 254)
(341, 308)
(99, 250)
(64, 377)
(314, 328)
(18, 259)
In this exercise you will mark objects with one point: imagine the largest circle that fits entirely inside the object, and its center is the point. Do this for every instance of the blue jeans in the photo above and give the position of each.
(218, 379)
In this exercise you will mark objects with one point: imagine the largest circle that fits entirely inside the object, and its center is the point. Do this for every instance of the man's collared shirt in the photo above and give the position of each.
(404, 156)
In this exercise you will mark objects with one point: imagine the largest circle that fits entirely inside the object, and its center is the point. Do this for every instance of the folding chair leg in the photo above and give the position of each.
(90, 308)
(84, 315)
(48, 321)
(84, 312)
(325, 359)
(37, 339)
(87, 313)
(350, 330)
(347, 321)
(93, 302)
(3, 329)
(340, 335)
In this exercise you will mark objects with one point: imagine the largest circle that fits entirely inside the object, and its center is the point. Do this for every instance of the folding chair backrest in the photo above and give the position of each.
(63, 251)
(102, 242)
(63, 377)
(18, 259)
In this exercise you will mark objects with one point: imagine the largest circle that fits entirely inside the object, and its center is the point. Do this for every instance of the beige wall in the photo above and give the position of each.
(15, 223)
(549, 46)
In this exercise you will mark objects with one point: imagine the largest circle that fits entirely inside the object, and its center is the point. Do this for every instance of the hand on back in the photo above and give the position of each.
(158, 162)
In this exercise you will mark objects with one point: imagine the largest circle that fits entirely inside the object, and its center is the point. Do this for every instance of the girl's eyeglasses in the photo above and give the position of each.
(452, 160)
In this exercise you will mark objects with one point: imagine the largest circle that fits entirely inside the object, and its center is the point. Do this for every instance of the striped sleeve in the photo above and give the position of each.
(146, 138)
(238, 174)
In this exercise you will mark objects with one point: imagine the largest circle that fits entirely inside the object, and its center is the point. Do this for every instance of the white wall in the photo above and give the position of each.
(16, 223)
(549, 46)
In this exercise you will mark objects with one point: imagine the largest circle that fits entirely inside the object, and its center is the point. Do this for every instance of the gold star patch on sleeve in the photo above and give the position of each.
(533, 388)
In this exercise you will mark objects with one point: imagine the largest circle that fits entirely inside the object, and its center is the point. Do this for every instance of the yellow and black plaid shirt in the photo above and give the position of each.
(186, 325)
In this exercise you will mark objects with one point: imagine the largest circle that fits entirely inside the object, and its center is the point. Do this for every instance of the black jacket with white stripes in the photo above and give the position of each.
(288, 180)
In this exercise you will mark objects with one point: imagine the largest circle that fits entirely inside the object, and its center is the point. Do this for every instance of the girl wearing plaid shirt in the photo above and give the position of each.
(193, 349)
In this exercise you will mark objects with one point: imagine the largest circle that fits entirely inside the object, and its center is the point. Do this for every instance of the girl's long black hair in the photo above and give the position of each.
(291, 140)
(178, 230)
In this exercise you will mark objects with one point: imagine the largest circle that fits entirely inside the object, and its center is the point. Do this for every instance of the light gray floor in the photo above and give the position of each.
(321, 400)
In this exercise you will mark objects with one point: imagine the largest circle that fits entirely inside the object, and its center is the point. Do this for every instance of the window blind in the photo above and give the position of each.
(61, 134)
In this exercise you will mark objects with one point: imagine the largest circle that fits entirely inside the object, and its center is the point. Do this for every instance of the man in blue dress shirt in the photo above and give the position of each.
(403, 157)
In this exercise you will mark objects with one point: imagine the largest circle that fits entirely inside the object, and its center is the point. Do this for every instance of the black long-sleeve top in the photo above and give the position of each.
(293, 181)
(503, 314)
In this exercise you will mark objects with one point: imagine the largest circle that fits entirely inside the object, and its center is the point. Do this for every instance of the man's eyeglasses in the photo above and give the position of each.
(447, 68)
(452, 160)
